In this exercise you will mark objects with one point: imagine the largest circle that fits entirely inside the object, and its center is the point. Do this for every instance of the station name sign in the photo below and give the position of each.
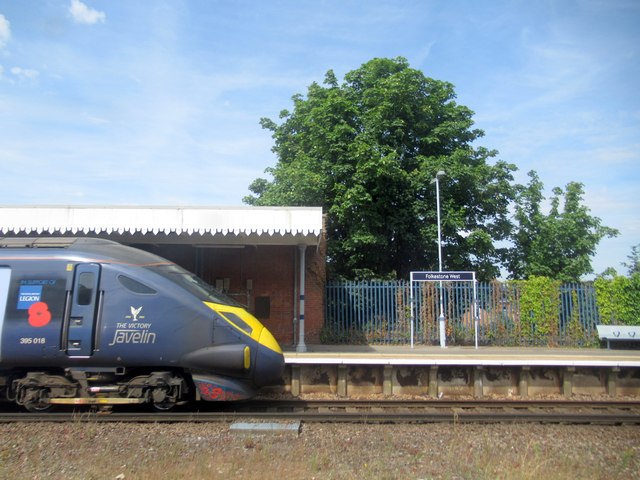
(442, 276)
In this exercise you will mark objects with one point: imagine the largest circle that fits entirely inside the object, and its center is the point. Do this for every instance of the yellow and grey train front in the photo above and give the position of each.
(243, 355)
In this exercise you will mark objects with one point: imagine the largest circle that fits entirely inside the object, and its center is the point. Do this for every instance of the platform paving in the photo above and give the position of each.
(456, 355)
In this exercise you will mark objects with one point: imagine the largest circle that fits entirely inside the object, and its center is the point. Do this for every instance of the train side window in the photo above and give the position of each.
(135, 286)
(86, 283)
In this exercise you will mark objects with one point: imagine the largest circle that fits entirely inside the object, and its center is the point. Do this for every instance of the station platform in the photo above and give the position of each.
(456, 355)
(347, 370)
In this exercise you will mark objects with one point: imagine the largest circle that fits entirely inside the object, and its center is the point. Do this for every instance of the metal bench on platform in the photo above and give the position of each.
(618, 332)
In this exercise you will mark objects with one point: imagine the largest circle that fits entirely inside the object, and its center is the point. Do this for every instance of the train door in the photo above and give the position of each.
(84, 310)
(5, 277)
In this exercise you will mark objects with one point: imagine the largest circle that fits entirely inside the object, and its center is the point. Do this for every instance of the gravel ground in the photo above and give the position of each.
(320, 451)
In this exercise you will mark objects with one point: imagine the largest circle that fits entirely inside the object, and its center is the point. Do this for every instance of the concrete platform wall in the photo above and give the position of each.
(354, 380)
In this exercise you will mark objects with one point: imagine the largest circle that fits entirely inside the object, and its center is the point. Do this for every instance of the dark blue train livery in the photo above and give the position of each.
(91, 321)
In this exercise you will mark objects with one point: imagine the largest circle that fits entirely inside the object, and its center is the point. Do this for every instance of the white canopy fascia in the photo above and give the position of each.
(196, 225)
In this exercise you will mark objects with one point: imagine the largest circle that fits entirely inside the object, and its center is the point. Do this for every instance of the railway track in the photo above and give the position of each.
(437, 411)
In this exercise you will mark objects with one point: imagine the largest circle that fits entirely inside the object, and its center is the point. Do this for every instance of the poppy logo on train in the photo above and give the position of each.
(39, 314)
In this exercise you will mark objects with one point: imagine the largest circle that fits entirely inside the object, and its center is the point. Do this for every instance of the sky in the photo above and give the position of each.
(158, 102)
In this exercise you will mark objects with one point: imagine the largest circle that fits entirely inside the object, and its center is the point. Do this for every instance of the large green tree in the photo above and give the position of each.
(366, 150)
(559, 244)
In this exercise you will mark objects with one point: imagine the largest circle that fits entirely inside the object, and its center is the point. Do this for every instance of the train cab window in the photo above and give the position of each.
(135, 286)
(238, 322)
(195, 285)
(86, 282)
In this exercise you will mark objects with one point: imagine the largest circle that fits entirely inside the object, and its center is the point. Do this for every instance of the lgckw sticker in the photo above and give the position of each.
(28, 295)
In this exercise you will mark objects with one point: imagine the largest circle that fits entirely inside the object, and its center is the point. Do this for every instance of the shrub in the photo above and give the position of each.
(618, 299)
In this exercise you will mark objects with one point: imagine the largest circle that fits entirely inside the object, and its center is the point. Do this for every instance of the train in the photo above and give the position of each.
(89, 321)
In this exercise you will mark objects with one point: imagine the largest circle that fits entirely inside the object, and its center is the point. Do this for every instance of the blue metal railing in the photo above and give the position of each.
(380, 312)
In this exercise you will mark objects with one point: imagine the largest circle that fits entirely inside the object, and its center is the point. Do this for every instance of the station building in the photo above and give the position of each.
(271, 259)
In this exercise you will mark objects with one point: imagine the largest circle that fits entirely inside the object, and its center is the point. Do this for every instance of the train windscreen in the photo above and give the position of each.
(195, 285)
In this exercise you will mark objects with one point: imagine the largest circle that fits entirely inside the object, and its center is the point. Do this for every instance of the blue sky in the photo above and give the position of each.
(158, 102)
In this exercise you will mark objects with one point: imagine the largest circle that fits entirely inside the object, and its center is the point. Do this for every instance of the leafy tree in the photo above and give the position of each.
(560, 244)
(367, 151)
(634, 261)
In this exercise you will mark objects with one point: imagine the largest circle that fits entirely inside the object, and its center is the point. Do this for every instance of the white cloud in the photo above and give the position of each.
(25, 73)
(81, 13)
(5, 31)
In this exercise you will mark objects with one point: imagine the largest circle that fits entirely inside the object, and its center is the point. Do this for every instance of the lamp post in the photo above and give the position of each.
(441, 324)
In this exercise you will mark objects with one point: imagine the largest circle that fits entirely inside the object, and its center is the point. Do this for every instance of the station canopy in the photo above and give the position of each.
(199, 226)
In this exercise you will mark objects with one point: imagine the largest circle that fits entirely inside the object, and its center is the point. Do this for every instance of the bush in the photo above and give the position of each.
(539, 307)
(618, 300)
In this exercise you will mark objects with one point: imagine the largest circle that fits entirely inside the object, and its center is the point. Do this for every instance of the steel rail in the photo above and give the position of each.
(572, 412)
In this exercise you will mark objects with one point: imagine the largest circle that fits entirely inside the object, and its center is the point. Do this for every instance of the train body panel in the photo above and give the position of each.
(89, 305)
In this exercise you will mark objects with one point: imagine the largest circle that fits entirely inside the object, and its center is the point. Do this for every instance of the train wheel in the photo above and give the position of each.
(163, 398)
(35, 400)
(38, 407)
(164, 406)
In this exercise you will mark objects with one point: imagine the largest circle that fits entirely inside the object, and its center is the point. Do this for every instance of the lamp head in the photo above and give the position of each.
(438, 175)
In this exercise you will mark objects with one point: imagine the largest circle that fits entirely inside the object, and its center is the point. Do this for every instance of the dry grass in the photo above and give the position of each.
(321, 451)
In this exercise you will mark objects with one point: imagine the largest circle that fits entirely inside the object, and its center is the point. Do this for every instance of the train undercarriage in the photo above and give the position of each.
(40, 390)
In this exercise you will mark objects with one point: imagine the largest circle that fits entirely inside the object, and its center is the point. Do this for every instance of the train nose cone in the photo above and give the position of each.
(269, 365)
